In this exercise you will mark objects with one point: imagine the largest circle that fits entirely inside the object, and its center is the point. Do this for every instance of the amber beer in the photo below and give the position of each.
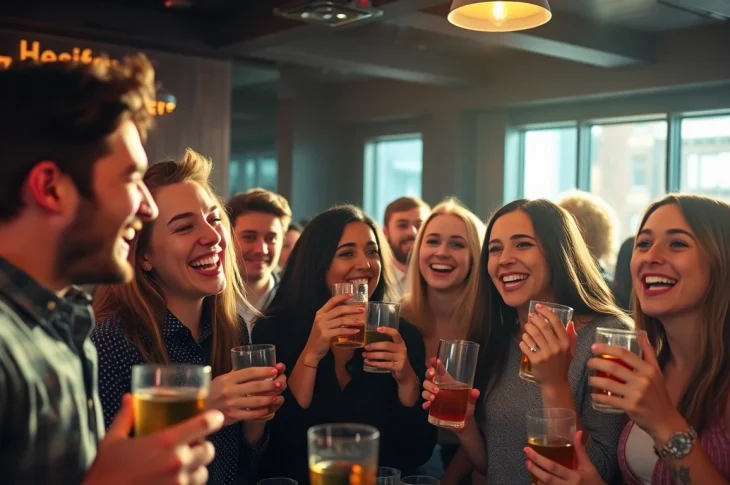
(449, 407)
(158, 408)
(526, 369)
(555, 448)
(341, 473)
(606, 375)
(372, 336)
(356, 340)
(626, 339)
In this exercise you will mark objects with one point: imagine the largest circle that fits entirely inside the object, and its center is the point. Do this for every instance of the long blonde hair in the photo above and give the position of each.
(415, 307)
(706, 397)
(141, 304)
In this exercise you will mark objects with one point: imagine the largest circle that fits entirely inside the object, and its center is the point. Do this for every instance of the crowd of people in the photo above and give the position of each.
(181, 276)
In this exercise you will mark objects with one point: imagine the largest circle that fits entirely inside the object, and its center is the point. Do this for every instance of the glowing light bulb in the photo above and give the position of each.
(499, 13)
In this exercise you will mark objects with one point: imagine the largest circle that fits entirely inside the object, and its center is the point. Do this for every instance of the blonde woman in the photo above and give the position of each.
(441, 292)
(181, 308)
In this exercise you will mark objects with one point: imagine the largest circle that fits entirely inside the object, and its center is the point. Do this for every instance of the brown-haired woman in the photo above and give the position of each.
(678, 396)
(181, 308)
(534, 250)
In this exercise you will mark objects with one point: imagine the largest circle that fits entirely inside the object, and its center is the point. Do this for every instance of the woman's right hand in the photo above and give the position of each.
(430, 390)
(550, 473)
(332, 320)
(241, 394)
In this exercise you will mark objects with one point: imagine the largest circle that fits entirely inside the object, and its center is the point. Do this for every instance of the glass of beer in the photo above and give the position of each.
(564, 313)
(380, 314)
(550, 432)
(387, 476)
(627, 339)
(342, 454)
(456, 365)
(262, 355)
(165, 395)
(359, 291)
(420, 480)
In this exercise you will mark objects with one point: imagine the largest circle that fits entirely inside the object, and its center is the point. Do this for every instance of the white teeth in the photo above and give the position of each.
(128, 234)
(514, 277)
(659, 280)
(441, 267)
(206, 261)
(359, 281)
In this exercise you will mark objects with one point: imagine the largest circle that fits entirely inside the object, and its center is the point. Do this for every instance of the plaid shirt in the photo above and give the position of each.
(50, 416)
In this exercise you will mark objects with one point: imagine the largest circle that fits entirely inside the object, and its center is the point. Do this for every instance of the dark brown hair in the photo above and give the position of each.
(64, 113)
(706, 397)
(575, 279)
(141, 303)
(402, 204)
(260, 200)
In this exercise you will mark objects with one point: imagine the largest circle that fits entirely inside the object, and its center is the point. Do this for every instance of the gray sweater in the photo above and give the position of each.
(507, 404)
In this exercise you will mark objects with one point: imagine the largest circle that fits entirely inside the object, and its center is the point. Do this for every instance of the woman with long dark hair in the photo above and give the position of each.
(678, 396)
(328, 384)
(622, 286)
(533, 250)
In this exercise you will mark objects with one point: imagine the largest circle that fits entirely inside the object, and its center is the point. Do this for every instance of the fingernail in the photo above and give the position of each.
(538, 306)
(274, 371)
(277, 385)
(380, 329)
(526, 450)
(360, 309)
(367, 347)
(214, 419)
(594, 346)
(274, 399)
(530, 315)
(435, 389)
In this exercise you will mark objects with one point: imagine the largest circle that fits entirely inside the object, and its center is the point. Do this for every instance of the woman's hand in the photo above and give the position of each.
(555, 346)
(640, 391)
(392, 356)
(247, 394)
(430, 390)
(550, 473)
(332, 320)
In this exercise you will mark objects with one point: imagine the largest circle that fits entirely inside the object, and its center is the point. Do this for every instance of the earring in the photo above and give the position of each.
(146, 268)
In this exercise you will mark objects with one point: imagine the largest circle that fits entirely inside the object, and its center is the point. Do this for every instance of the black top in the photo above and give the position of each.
(233, 458)
(50, 415)
(406, 437)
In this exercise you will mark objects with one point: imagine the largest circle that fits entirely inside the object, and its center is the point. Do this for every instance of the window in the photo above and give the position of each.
(628, 155)
(393, 167)
(252, 170)
(705, 159)
(549, 162)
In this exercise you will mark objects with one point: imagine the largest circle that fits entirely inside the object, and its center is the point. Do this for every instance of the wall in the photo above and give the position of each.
(468, 133)
(202, 88)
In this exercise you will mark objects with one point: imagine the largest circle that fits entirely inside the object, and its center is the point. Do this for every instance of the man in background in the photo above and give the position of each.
(259, 218)
(71, 201)
(403, 218)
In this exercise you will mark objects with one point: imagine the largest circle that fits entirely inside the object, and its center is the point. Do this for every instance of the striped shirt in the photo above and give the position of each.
(50, 416)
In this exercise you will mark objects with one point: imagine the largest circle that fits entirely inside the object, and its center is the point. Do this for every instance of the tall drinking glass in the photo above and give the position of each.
(456, 366)
(550, 432)
(166, 395)
(564, 313)
(261, 355)
(359, 291)
(627, 339)
(342, 454)
(387, 476)
(380, 314)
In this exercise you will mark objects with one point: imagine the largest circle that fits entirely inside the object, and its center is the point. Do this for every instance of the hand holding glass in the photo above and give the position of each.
(550, 432)
(564, 313)
(380, 314)
(627, 339)
(455, 368)
(166, 395)
(262, 355)
(359, 293)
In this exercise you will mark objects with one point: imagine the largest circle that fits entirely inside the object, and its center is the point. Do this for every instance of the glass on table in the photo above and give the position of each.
(260, 355)
(564, 314)
(550, 432)
(166, 395)
(359, 292)
(387, 476)
(626, 339)
(342, 454)
(380, 314)
(455, 368)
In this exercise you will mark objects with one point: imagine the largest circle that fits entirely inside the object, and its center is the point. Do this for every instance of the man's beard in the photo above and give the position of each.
(86, 251)
(400, 255)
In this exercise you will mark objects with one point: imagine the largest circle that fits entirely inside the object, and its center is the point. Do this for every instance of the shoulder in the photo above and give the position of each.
(268, 328)
(408, 330)
(110, 340)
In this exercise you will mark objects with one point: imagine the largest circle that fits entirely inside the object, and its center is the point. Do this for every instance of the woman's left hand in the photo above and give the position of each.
(641, 391)
(553, 344)
(392, 356)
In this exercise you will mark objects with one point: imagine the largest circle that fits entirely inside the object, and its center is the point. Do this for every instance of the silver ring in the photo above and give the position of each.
(534, 349)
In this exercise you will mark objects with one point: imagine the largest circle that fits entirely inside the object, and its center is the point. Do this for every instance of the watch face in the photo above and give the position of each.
(679, 444)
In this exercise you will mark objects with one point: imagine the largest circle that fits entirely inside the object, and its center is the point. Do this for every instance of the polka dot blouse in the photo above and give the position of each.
(233, 458)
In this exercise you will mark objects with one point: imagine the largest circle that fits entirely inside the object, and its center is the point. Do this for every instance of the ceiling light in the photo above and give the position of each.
(498, 16)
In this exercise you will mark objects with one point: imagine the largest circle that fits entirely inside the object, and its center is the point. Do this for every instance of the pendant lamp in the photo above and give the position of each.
(499, 16)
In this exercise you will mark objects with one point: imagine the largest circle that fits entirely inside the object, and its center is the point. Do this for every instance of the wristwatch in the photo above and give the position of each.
(678, 446)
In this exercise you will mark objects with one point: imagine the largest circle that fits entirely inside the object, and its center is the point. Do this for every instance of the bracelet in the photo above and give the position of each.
(310, 366)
